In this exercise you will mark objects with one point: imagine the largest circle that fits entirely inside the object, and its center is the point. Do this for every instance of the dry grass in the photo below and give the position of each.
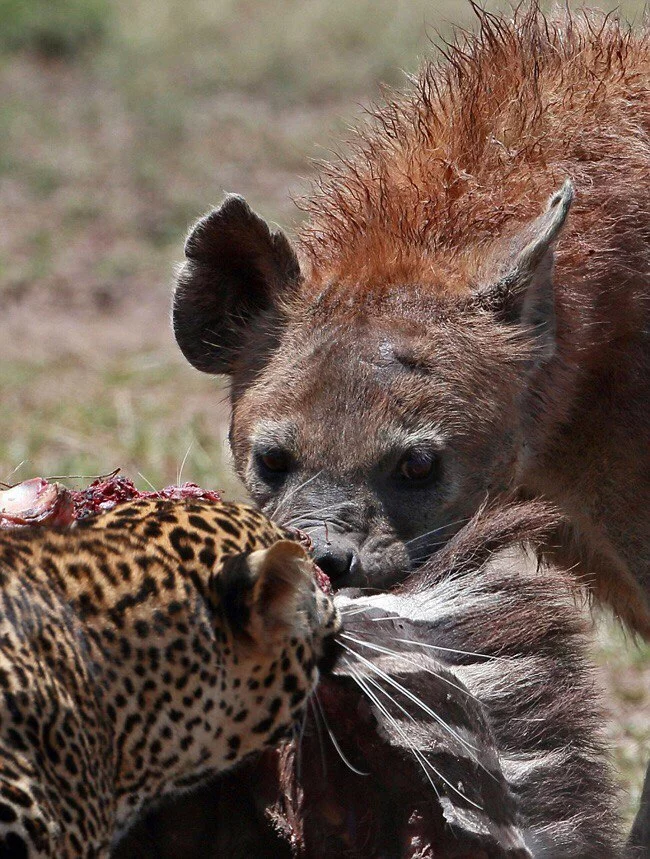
(109, 147)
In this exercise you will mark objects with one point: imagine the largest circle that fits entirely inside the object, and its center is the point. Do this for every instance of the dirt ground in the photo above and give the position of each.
(109, 148)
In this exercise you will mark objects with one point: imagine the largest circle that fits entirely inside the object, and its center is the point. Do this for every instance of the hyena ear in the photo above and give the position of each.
(524, 294)
(235, 268)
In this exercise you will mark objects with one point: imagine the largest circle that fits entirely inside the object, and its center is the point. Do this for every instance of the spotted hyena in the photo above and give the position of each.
(465, 313)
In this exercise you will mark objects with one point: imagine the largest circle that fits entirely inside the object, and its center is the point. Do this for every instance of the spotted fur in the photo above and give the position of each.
(141, 652)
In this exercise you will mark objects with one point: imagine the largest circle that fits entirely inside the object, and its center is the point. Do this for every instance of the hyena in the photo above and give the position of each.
(464, 315)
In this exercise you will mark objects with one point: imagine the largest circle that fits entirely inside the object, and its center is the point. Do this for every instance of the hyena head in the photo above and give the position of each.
(377, 416)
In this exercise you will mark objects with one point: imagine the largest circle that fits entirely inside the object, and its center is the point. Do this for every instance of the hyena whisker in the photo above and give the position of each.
(414, 698)
(462, 521)
(323, 521)
(429, 551)
(335, 741)
(289, 495)
(313, 514)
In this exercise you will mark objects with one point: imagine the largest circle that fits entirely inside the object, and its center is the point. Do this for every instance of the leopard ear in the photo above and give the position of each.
(283, 583)
(524, 295)
(263, 595)
(235, 269)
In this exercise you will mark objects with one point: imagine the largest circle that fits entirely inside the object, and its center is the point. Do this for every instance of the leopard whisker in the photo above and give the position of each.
(321, 744)
(182, 465)
(299, 735)
(422, 759)
(335, 742)
(8, 477)
(438, 676)
(363, 684)
(417, 701)
(451, 649)
(353, 612)
(405, 658)
(410, 641)
(147, 481)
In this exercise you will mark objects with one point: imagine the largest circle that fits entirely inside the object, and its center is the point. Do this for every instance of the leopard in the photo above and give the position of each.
(141, 652)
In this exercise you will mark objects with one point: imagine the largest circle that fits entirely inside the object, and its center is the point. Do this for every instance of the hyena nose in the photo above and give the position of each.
(336, 560)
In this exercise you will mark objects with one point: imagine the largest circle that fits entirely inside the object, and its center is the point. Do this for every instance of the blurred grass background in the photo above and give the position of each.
(122, 121)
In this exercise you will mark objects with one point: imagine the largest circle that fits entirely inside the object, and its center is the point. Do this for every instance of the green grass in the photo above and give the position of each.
(626, 671)
(91, 422)
(53, 28)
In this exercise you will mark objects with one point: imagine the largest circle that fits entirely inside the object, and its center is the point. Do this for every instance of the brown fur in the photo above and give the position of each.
(407, 237)
(476, 147)
(457, 164)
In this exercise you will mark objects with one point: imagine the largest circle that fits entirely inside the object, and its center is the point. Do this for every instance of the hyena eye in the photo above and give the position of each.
(275, 462)
(416, 466)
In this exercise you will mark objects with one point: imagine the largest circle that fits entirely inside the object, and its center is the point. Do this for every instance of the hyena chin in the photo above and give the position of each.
(465, 314)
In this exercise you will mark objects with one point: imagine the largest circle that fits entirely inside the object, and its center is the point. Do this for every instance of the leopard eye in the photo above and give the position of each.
(275, 462)
(418, 466)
